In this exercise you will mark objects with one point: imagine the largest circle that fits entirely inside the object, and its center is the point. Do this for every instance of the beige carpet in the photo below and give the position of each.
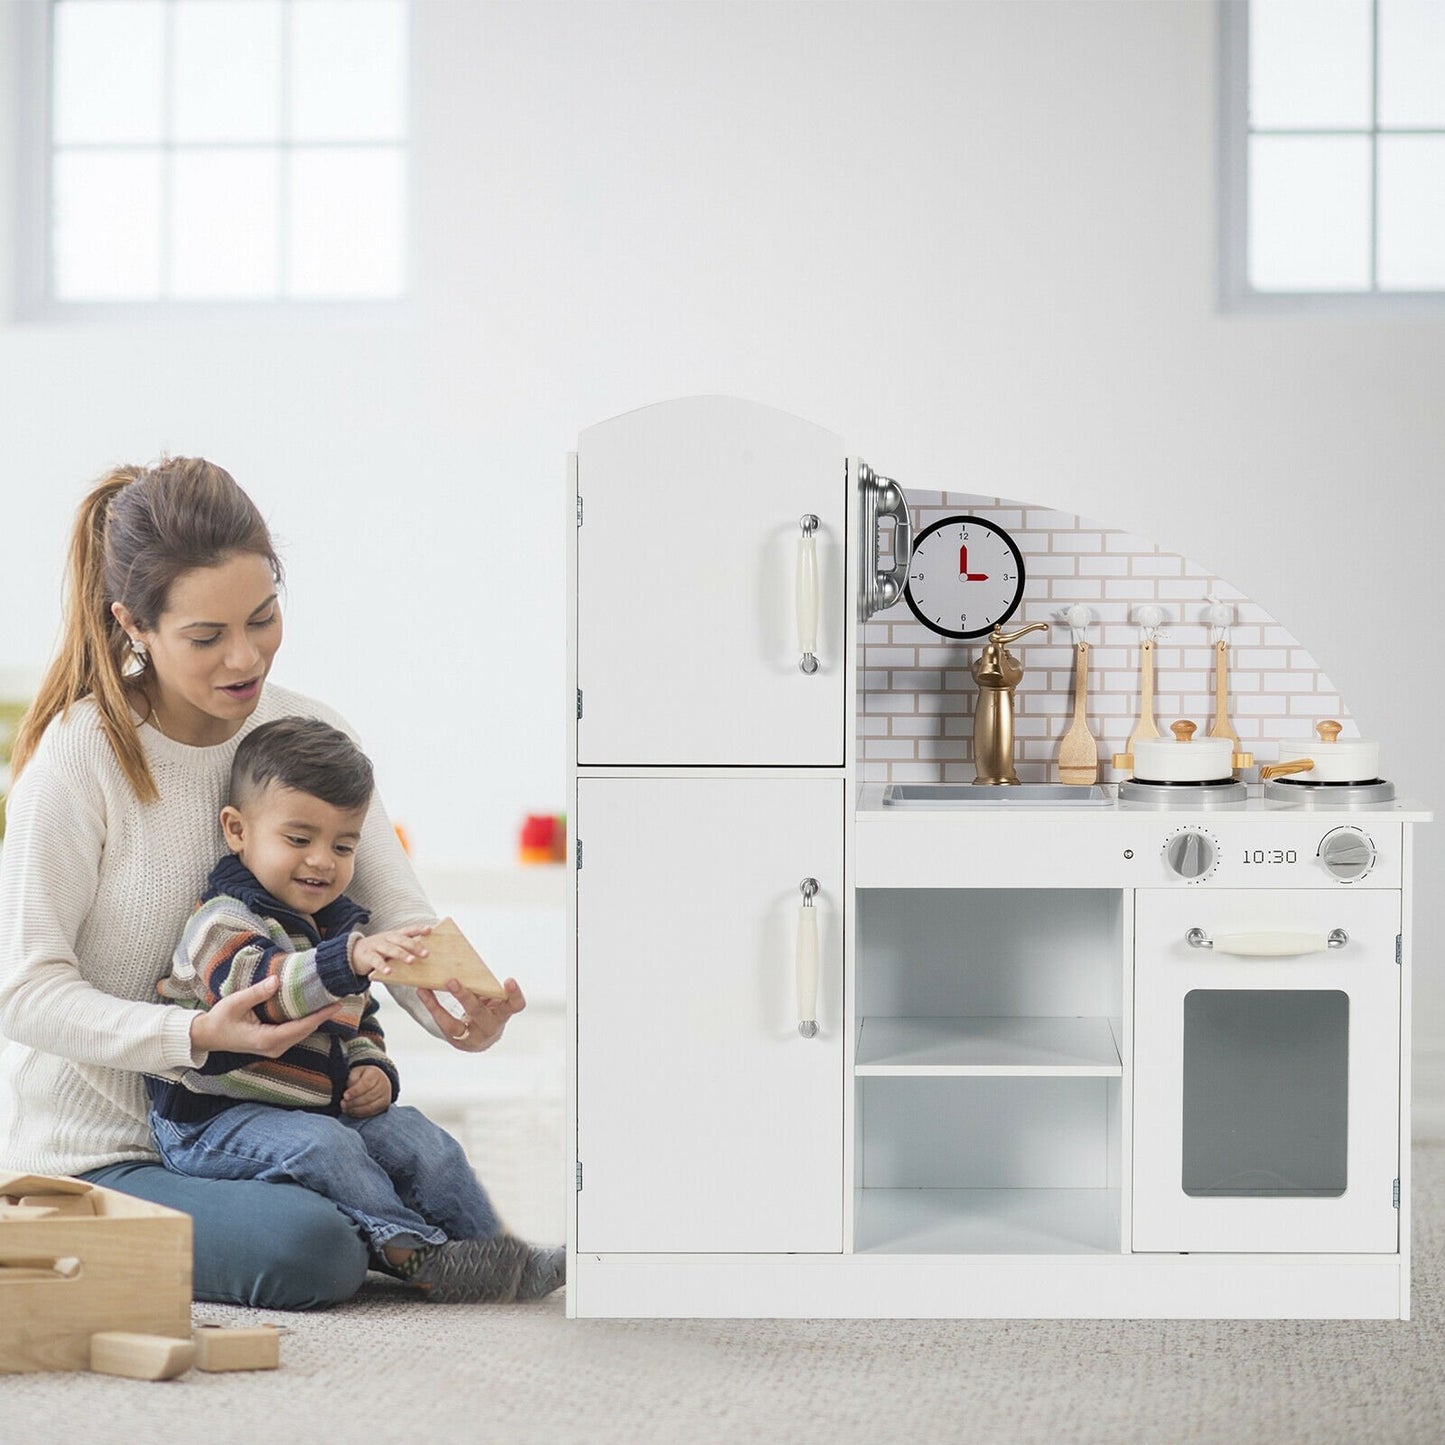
(386, 1369)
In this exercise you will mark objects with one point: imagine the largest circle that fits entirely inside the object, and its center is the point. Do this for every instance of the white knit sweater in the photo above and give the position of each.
(95, 888)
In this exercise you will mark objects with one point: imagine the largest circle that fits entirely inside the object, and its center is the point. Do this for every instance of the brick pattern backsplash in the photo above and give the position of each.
(917, 695)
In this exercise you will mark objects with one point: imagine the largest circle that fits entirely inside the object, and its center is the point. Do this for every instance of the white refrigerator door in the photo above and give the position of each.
(705, 1122)
(688, 608)
(1271, 1074)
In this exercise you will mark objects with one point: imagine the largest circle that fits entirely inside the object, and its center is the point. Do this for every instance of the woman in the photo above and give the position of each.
(172, 623)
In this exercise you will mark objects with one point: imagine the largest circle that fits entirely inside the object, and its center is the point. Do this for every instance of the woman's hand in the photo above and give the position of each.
(232, 1024)
(484, 1018)
(368, 1092)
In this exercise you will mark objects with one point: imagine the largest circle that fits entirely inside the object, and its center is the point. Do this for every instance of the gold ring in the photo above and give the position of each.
(465, 1033)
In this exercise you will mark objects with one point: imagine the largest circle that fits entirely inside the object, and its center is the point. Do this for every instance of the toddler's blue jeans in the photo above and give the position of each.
(400, 1178)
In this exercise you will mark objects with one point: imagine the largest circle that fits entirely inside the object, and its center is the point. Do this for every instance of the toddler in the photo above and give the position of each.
(323, 1114)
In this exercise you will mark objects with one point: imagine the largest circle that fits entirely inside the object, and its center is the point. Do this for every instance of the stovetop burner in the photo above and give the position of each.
(1206, 793)
(1313, 793)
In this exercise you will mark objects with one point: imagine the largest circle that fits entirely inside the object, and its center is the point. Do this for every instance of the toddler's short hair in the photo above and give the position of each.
(305, 754)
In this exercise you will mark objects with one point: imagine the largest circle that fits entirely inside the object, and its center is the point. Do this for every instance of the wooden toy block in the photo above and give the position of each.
(219, 1348)
(69, 1205)
(32, 1269)
(141, 1357)
(15, 1186)
(125, 1266)
(449, 956)
(27, 1211)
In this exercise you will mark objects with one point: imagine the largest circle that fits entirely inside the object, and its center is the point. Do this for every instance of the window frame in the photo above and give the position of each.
(34, 300)
(1235, 292)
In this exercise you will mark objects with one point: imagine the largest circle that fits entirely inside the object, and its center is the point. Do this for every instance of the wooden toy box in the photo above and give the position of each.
(66, 1276)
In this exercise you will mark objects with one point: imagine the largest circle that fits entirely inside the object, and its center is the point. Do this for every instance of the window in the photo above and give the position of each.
(224, 150)
(1334, 152)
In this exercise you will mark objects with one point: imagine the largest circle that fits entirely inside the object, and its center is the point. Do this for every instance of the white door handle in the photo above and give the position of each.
(806, 593)
(807, 961)
(1268, 945)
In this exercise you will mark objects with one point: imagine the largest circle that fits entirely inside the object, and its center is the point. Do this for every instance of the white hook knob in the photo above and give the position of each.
(1218, 615)
(1078, 617)
(1150, 616)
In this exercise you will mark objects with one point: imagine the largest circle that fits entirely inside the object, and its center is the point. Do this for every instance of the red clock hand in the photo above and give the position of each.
(964, 575)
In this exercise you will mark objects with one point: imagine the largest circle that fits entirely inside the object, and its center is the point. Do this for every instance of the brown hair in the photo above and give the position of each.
(137, 531)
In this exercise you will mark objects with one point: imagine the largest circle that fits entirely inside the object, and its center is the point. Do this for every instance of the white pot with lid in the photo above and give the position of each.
(1183, 758)
(1327, 759)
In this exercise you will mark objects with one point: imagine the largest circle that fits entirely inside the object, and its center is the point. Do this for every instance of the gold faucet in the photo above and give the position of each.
(997, 672)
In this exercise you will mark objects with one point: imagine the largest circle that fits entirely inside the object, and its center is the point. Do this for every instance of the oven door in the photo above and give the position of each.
(1266, 1071)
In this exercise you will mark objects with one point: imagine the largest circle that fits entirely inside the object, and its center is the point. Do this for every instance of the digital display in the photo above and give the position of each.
(1271, 855)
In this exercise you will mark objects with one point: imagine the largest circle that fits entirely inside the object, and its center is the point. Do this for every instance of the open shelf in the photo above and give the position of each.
(976, 1047)
(987, 1221)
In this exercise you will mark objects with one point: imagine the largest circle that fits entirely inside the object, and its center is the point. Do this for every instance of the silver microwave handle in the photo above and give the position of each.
(1268, 945)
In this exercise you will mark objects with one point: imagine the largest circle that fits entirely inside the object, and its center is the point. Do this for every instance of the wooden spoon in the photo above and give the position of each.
(1222, 727)
(1146, 727)
(1078, 752)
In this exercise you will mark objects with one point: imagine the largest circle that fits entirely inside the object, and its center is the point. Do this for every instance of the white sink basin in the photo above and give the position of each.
(969, 795)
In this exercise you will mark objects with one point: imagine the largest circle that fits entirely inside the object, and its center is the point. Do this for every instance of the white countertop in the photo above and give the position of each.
(995, 804)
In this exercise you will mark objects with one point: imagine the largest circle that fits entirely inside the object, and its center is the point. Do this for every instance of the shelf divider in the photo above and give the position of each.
(1032, 1047)
(987, 1221)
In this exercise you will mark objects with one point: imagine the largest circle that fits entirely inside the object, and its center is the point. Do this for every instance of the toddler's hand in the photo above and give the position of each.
(368, 1092)
(377, 954)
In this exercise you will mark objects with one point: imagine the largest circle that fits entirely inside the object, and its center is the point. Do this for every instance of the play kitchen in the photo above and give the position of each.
(920, 970)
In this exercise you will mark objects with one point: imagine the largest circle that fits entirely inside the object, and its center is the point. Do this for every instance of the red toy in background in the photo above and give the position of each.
(544, 838)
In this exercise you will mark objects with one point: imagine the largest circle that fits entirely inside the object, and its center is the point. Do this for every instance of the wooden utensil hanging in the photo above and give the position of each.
(1078, 752)
(1222, 727)
(1146, 727)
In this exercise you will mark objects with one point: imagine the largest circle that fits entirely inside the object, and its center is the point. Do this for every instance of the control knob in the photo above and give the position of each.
(1190, 855)
(1347, 853)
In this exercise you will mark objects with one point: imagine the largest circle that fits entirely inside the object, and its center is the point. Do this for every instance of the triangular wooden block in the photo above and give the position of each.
(449, 956)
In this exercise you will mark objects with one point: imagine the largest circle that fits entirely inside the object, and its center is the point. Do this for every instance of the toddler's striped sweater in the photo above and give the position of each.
(240, 935)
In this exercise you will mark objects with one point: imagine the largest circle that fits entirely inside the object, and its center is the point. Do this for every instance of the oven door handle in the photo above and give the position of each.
(1268, 945)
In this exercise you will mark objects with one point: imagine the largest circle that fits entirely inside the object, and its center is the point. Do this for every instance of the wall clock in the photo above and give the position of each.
(965, 578)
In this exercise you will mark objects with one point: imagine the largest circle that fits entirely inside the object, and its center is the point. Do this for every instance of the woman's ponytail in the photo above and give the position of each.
(89, 660)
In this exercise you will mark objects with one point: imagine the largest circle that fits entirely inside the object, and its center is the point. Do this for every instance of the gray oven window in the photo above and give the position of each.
(1266, 1075)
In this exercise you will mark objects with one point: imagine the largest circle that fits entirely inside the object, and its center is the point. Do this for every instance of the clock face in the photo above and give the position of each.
(966, 577)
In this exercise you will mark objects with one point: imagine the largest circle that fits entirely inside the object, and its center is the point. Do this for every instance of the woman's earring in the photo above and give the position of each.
(138, 659)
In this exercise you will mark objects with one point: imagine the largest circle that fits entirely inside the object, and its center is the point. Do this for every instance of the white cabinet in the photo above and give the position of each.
(706, 1122)
(687, 625)
(708, 784)
(988, 1069)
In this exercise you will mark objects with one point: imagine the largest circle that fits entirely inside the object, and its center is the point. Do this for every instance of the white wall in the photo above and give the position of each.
(977, 240)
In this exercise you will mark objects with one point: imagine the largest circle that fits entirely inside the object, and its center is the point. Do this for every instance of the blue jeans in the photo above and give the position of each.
(397, 1176)
(274, 1246)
